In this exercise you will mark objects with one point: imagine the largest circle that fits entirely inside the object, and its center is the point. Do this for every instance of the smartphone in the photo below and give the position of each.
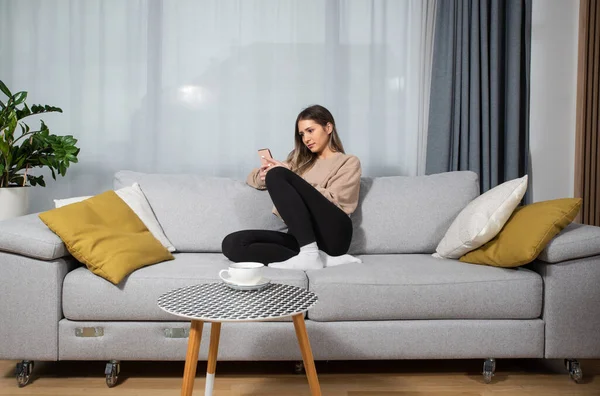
(266, 153)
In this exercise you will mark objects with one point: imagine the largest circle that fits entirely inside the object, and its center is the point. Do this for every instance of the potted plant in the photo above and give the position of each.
(22, 149)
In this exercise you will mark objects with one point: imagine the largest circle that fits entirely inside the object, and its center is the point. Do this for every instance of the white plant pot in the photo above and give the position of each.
(14, 202)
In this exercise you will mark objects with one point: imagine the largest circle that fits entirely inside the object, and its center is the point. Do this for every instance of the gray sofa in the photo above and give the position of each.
(400, 303)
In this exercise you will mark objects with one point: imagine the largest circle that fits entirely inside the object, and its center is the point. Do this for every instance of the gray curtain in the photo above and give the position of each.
(479, 106)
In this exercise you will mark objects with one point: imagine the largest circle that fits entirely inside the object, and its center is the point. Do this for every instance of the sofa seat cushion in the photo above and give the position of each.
(396, 287)
(89, 297)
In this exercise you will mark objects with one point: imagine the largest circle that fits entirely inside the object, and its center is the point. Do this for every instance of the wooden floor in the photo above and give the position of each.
(370, 378)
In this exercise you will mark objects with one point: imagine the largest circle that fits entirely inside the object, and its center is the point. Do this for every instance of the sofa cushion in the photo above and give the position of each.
(88, 297)
(403, 214)
(482, 219)
(403, 287)
(197, 212)
(526, 233)
(106, 235)
(136, 200)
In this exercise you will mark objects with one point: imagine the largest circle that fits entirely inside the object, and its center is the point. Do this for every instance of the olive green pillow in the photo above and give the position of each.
(526, 233)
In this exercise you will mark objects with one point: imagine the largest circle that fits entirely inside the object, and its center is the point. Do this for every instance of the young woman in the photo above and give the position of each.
(314, 191)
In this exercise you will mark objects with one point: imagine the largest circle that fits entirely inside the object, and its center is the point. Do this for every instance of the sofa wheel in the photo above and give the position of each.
(112, 372)
(299, 368)
(489, 367)
(23, 372)
(574, 369)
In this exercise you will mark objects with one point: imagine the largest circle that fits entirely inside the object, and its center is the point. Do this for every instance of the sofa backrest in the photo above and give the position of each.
(197, 212)
(409, 214)
(398, 214)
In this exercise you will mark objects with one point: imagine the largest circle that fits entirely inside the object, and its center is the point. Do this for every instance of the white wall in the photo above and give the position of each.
(553, 97)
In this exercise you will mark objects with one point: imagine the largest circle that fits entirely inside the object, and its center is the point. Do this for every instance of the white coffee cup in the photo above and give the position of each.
(246, 273)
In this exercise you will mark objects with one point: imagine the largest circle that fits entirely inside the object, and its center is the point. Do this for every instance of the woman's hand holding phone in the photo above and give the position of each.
(270, 163)
(263, 172)
(267, 162)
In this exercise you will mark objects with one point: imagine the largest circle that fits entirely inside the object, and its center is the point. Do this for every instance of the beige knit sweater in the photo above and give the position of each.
(336, 177)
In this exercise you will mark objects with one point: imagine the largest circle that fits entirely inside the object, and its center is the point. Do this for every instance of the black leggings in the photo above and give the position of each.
(310, 217)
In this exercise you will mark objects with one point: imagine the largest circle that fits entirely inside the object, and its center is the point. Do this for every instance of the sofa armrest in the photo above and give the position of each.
(574, 242)
(571, 309)
(31, 306)
(29, 236)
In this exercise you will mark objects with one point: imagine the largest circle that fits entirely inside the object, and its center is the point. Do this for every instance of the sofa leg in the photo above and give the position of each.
(489, 368)
(299, 367)
(574, 369)
(112, 370)
(23, 372)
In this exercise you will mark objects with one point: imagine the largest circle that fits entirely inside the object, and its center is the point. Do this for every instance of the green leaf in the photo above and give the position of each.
(5, 89)
(11, 125)
(38, 109)
(19, 97)
(18, 180)
(32, 148)
(22, 113)
(4, 148)
(21, 162)
(69, 140)
(38, 139)
(53, 109)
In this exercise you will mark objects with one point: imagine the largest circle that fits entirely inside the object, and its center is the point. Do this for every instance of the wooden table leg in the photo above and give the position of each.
(307, 356)
(191, 358)
(213, 351)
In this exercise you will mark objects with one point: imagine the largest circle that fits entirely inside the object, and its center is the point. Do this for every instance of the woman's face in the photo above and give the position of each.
(314, 136)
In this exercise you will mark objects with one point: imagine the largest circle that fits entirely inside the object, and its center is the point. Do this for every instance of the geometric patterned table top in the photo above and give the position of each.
(215, 302)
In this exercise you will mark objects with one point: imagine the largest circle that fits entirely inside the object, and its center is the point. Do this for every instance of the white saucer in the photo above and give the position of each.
(261, 284)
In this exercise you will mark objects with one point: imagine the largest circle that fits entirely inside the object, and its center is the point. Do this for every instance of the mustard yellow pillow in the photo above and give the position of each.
(103, 233)
(526, 233)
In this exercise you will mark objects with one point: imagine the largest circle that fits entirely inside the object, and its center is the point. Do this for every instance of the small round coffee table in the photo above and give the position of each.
(217, 303)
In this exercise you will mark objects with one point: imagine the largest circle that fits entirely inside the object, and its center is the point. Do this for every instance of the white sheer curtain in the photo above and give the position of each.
(189, 86)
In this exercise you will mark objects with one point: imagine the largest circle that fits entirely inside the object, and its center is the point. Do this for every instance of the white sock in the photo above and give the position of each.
(332, 261)
(307, 259)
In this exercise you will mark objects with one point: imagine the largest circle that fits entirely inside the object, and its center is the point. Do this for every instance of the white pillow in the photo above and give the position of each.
(482, 219)
(136, 200)
(67, 201)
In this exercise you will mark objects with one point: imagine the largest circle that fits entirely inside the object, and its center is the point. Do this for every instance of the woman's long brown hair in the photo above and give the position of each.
(301, 158)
